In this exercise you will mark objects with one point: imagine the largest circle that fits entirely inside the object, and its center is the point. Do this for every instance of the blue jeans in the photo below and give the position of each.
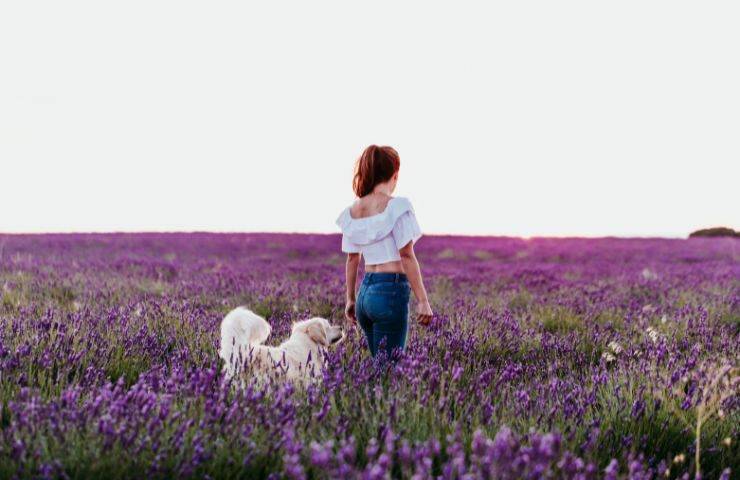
(382, 311)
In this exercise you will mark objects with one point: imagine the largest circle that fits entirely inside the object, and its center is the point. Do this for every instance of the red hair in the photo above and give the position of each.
(375, 165)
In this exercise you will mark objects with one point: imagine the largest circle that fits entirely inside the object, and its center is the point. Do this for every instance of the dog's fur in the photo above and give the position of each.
(299, 358)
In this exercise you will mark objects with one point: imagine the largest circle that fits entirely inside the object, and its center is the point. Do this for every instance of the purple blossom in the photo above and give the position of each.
(107, 360)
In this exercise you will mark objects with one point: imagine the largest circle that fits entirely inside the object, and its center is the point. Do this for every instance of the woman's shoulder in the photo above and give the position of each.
(401, 203)
(397, 206)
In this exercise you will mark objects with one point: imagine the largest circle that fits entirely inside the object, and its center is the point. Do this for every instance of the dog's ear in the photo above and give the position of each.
(316, 332)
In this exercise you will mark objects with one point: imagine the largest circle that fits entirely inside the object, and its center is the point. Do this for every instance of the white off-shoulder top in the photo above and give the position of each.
(379, 237)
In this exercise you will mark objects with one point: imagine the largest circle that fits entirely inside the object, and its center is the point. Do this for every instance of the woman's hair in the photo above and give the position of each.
(375, 165)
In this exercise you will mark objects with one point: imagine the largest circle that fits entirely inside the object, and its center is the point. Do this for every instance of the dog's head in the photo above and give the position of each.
(320, 331)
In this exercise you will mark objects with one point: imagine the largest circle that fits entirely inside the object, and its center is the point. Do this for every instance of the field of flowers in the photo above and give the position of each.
(561, 358)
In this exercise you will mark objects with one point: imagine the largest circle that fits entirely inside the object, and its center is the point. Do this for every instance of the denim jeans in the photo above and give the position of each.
(382, 310)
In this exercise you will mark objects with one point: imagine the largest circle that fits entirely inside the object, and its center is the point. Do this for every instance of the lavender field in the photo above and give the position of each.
(547, 359)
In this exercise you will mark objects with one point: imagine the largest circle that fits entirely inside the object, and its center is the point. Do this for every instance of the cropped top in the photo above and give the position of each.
(379, 237)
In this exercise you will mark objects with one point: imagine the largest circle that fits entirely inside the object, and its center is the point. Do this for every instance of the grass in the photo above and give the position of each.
(520, 333)
(559, 320)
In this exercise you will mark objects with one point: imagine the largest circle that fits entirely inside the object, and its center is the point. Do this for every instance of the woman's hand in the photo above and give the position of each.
(424, 313)
(349, 311)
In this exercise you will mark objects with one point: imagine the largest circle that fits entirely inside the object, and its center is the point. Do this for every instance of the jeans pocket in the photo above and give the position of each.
(386, 307)
(378, 305)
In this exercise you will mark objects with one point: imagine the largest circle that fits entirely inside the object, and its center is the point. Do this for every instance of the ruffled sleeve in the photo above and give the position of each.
(343, 221)
(406, 229)
(348, 246)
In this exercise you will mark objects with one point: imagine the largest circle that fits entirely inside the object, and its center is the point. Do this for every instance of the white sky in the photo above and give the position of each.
(516, 118)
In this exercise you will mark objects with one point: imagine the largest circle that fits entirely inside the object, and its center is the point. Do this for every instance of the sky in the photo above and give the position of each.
(526, 118)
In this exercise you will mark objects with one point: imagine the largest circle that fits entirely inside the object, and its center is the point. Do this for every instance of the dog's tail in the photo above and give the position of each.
(240, 329)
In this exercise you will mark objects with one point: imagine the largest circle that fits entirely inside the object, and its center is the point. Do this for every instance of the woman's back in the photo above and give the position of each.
(370, 205)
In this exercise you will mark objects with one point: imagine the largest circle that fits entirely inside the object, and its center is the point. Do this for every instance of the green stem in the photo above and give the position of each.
(698, 440)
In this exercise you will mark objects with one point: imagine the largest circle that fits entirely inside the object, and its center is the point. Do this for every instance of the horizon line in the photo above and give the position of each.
(274, 232)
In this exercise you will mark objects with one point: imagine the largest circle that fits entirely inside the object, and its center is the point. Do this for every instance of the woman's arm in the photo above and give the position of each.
(353, 262)
(411, 267)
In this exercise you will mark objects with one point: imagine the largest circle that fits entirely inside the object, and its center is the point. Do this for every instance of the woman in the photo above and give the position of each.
(383, 229)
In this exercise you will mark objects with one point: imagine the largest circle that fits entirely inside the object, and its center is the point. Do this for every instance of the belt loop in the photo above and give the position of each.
(398, 278)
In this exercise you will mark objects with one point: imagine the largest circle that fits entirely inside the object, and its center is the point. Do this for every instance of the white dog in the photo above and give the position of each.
(242, 335)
